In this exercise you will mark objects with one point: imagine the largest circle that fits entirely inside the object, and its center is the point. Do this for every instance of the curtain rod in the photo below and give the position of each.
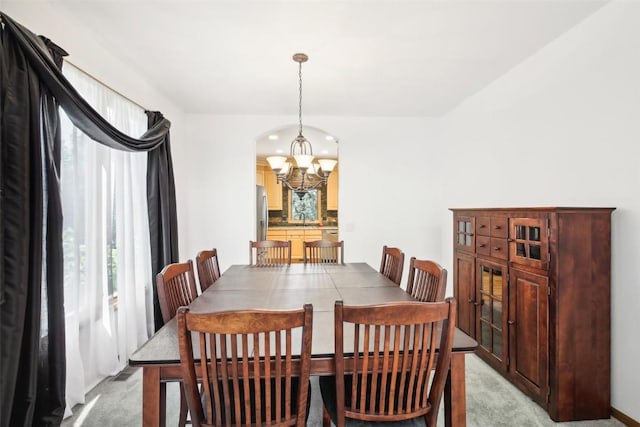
(104, 84)
(93, 77)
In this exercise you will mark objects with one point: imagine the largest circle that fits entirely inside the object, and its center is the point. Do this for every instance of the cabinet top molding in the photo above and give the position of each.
(536, 209)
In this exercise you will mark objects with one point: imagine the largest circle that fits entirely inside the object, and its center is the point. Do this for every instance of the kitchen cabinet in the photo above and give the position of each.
(260, 175)
(332, 190)
(533, 288)
(277, 234)
(297, 235)
(274, 190)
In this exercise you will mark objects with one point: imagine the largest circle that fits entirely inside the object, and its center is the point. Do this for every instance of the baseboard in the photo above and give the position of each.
(623, 418)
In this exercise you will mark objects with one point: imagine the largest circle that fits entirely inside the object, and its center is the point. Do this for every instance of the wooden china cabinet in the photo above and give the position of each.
(533, 288)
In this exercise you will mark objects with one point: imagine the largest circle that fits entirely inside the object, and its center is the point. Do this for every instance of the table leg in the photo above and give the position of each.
(455, 400)
(154, 398)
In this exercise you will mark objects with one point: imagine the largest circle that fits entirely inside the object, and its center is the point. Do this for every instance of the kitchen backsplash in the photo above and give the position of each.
(280, 218)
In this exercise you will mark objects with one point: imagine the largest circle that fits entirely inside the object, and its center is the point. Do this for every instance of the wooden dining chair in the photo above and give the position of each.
(176, 287)
(389, 379)
(208, 268)
(323, 252)
(253, 375)
(267, 253)
(392, 264)
(427, 280)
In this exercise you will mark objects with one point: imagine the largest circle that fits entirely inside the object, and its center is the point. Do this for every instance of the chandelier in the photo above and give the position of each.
(301, 171)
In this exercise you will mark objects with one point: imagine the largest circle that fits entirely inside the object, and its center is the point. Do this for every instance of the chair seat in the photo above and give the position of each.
(328, 391)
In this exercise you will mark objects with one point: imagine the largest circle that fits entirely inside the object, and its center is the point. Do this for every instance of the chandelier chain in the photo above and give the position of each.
(300, 98)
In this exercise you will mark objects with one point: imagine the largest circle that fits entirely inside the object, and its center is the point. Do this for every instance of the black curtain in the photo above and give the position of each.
(32, 368)
(161, 194)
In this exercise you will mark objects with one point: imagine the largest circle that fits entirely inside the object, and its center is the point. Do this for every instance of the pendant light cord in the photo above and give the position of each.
(300, 98)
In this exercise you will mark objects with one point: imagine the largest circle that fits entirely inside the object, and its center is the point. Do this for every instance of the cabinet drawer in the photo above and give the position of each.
(492, 226)
(276, 234)
(483, 245)
(499, 248)
(312, 235)
(499, 227)
(483, 226)
(492, 246)
(293, 235)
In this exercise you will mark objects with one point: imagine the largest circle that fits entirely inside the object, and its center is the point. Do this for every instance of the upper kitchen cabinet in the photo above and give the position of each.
(332, 190)
(274, 190)
(260, 175)
(266, 178)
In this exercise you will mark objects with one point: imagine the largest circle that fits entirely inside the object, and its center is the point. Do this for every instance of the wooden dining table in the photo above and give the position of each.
(289, 287)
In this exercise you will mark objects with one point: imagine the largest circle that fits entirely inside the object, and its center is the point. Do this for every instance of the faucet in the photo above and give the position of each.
(304, 219)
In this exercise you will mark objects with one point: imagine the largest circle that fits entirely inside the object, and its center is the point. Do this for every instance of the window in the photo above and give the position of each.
(305, 207)
(107, 260)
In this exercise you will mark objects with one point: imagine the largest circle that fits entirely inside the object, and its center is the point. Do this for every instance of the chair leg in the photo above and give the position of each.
(182, 420)
(326, 419)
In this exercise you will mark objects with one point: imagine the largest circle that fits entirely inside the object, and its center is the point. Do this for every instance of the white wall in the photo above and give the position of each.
(385, 190)
(563, 128)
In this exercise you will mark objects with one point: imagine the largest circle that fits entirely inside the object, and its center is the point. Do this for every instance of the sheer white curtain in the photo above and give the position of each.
(107, 260)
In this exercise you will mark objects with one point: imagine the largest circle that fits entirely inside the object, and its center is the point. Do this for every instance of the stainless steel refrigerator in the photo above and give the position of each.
(262, 213)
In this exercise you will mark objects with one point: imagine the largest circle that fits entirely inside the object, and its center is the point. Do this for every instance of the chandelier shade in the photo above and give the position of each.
(301, 171)
(277, 163)
(327, 165)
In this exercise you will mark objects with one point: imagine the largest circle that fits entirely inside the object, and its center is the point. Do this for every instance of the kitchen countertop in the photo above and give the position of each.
(308, 227)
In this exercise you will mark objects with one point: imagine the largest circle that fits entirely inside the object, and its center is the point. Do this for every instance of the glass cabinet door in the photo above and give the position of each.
(491, 316)
(529, 242)
(464, 233)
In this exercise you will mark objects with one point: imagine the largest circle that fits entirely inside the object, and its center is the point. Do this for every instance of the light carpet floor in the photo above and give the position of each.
(491, 402)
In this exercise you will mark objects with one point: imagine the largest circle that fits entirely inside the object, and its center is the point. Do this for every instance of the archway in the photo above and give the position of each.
(291, 215)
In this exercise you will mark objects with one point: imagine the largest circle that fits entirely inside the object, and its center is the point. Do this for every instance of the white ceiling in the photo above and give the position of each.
(366, 57)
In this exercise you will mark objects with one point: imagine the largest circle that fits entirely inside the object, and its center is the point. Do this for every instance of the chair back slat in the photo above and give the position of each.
(392, 264)
(427, 280)
(269, 253)
(323, 252)
(253, 375)
(176, 287)
(208, 268)
(394, 348)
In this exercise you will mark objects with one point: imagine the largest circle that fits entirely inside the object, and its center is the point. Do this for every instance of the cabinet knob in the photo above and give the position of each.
(496, 248)
(482, 245)
(476, 303)
(497, 227)
(511, 322)
(481, 226)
